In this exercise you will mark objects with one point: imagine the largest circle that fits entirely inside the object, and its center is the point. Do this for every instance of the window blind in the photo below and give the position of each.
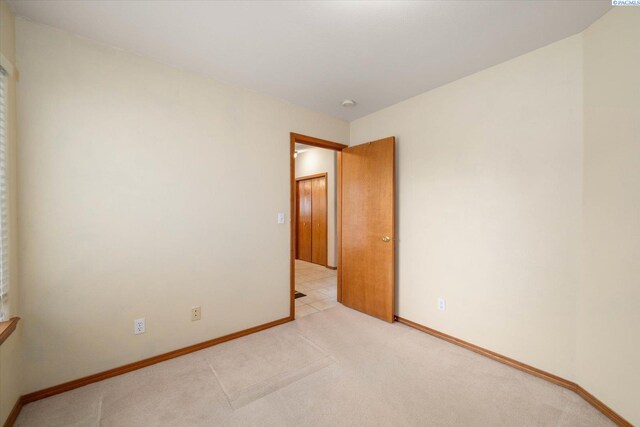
(4, 232)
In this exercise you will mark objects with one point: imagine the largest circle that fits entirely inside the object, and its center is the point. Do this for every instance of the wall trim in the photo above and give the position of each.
(13, 415)
(315, 175)
(570, 385)
(61, 388)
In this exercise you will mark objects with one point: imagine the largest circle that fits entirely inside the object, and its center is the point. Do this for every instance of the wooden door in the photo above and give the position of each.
(303, 211)
(319, 220)
(367, 228)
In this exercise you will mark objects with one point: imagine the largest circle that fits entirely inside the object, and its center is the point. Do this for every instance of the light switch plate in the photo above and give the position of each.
(280, 217)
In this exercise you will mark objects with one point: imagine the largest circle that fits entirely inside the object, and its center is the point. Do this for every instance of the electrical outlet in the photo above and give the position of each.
(138, 326)
(196, 314)
(442, 304)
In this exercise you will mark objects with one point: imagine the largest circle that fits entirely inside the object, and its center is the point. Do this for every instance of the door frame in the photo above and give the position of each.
(320, 143)
(324, 175)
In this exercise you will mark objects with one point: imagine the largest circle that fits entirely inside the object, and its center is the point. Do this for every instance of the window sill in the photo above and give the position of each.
(7, 328)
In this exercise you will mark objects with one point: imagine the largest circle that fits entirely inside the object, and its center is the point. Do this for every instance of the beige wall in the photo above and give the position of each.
(7, 33)
(489, 204)
(10, 373)
(319, 160)
(609, 314)
(145, 191)
(11, 349)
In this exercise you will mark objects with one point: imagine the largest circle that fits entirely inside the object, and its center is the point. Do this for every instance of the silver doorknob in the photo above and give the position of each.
(386, 239)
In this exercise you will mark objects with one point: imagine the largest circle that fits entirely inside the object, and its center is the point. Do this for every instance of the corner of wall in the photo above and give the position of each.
(607, 348)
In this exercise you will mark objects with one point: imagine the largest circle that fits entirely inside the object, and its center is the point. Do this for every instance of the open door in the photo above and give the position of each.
(367, 228)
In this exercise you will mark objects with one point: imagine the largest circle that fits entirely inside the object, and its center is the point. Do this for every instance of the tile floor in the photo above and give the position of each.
(319, 284)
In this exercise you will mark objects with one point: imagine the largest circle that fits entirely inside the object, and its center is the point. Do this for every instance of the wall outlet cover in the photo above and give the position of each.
(138, 326)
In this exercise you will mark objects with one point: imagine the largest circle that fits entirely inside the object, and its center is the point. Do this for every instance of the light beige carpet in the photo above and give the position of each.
(259, 365)
(337, 367)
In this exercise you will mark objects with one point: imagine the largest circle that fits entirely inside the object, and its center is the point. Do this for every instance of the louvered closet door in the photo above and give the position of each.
(319, 220)
(304, 220)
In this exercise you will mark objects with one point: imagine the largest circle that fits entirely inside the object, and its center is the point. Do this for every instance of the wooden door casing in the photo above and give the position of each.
(319, 220)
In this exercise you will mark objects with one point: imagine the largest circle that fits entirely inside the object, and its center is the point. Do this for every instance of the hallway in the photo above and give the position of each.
(318, 284)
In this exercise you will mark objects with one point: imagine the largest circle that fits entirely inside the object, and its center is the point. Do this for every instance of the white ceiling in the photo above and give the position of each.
(315, 54)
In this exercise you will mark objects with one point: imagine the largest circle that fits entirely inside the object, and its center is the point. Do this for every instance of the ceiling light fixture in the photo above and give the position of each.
(348, 103)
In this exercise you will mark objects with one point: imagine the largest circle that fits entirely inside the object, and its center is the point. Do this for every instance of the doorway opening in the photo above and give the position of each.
(362, 243)
(315, 207)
